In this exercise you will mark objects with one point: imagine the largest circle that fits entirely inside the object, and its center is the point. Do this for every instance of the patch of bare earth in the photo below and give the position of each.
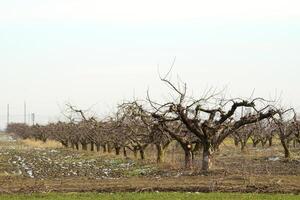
(26, 168)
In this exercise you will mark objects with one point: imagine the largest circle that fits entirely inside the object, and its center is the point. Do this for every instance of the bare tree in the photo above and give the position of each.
(133, 124)
(210, 119)
(285, 128)
(21, 130)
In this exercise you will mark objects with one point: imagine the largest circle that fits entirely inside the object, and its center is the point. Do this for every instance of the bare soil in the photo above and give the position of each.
(25, 169)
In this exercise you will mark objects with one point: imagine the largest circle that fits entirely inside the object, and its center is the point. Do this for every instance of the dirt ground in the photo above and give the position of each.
(29, 167)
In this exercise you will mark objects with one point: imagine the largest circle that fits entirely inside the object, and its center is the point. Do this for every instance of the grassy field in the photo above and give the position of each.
(156, 196)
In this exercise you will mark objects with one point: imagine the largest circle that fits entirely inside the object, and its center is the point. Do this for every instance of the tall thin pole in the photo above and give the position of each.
(7, 117)
(33, 118)
(25, 112)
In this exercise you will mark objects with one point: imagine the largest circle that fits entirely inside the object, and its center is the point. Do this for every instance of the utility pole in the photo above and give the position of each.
(7, 116)
(25, 112)
(33, 118)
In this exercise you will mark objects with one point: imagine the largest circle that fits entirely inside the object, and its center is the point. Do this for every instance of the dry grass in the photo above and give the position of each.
(40, 144)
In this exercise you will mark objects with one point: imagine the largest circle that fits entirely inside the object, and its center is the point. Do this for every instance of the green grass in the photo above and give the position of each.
(154, 196)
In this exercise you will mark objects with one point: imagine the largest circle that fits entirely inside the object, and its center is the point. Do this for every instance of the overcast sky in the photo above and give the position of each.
(100, 52)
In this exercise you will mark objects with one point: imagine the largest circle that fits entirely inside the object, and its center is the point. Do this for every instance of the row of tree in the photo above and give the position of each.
(195, 124)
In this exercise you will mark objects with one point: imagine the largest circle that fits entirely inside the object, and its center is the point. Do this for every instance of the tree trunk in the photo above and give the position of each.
(72, 145)
(92, 146)
(84, 146)
(142, 153)
(243, 146)
(65, 144)
(206, 160)
(285, 147)
(188, 158)
(263, 143)
(117, 150)
(255, 143)
(295, 142)
(77, 146)
(104, 148)
(98, 147)
(236, 142)
(160, 153)
(135, 150)
(109, 148)
(270, 141)
(124, 152)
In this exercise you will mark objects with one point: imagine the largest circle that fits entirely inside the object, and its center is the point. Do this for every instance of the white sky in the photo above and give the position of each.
(145, 11)
(93, 51)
